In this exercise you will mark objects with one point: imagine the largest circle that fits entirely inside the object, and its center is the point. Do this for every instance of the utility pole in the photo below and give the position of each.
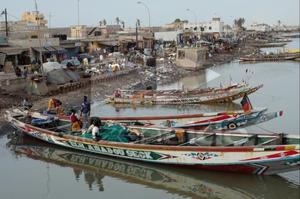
(137, 24)
(49, 23)
(37, 17)
(6, 23)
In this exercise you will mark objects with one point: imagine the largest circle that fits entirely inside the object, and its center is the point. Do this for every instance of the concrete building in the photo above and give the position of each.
(78, 32)
(260, 27)
(191, 58)
(214, 26)
(167, 36)
(34, 18)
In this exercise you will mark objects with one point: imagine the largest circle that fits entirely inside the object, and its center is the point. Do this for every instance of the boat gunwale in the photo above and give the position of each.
(161, 147)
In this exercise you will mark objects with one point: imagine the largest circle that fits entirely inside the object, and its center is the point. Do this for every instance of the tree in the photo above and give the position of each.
(123, 24)
(104, 22)
(239, 23)
(177, 20)
(118, 20)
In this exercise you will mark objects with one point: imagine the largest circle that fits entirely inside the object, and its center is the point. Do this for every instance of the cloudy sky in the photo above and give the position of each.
(64, 12)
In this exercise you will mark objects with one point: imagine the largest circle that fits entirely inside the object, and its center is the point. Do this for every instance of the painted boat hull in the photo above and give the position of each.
(246, 159)
(218, 121)
(205, 121)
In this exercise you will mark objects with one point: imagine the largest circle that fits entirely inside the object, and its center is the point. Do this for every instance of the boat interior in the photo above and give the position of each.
(171, 137)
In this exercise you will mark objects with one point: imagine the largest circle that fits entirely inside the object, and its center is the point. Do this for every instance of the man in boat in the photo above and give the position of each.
(93, 130)
(85, 111)
(117, 93)
(75, 122)
(55, 105)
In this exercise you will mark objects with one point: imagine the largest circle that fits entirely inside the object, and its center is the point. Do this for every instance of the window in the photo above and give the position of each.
(209, 28)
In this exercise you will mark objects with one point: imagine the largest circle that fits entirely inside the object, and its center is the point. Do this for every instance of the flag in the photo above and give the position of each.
(3, 12)
(246, 104)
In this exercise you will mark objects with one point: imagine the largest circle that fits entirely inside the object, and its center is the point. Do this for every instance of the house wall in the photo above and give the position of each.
(191, 58)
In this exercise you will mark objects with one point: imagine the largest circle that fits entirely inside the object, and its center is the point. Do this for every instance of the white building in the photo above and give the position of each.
(78, 32)
(213, 26)
(260, 27)
(167, 36)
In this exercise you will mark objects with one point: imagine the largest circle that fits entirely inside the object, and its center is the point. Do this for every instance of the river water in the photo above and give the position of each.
(31, 169)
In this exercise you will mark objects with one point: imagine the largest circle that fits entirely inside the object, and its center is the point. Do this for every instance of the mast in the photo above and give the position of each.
(39, 36)
(6, 23)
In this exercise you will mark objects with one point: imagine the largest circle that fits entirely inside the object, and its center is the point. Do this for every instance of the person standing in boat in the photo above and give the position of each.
(76, 126)
(85, 111)
(55, 104)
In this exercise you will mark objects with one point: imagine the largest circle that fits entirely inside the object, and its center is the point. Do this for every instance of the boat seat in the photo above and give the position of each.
(164, 136)
(194, 141)
(244, 141)
(275, 141)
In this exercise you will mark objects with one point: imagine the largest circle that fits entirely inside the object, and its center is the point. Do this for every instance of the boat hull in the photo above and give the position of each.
(254, 159)
(210, 98)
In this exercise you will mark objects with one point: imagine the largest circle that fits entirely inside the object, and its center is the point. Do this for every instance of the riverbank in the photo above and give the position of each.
(165, 73)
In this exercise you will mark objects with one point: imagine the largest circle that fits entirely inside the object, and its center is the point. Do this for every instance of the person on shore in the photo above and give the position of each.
(18, 72)
(85, 111)
(26, 103)
(55, 105)
(75, 122)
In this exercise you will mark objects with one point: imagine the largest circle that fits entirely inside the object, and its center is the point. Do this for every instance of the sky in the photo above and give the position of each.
(64, 12)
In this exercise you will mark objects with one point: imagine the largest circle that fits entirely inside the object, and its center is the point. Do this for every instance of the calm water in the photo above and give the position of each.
(31, 169)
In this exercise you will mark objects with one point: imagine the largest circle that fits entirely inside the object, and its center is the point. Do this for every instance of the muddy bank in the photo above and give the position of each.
(142, 78)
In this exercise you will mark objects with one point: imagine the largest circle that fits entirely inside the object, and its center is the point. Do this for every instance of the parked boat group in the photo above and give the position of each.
(198, 141)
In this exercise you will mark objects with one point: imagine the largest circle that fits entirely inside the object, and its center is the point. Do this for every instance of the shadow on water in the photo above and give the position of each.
(186, 183)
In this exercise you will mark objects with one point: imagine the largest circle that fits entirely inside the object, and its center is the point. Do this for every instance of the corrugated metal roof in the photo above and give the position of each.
(13, 50)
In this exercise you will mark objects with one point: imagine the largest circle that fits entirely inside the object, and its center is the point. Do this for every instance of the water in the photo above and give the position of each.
(31, 169)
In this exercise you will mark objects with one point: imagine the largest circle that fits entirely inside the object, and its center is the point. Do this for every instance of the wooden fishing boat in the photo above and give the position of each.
(205, 121)
(275, 57)
(224, 151)
(184, 182)
(177, 92)
(268, 45)
(153, 176)
(204, 98)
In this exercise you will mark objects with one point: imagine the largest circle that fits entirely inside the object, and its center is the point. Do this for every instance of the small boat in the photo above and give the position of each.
(223, 151)
(273, 57)
(177, 92)
(268, 45)
(151, 97)
(205, 121)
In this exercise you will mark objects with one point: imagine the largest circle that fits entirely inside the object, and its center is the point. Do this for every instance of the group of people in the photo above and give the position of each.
(95, 130)
(77, 123)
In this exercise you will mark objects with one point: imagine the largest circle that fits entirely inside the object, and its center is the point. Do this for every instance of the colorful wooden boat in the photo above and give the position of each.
(186, 183)
(223, 151)
(205, 121)
(274, 57)
(177, 92)
(204, 98)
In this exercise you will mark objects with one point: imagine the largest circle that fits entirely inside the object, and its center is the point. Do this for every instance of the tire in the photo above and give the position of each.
(232, 126)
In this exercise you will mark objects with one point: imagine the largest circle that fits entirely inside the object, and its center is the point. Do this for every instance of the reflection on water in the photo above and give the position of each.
(185, 183)
(102, 109)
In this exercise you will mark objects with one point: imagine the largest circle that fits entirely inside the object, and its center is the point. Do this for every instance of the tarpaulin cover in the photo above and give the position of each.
(49, 66)
(60, 76)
